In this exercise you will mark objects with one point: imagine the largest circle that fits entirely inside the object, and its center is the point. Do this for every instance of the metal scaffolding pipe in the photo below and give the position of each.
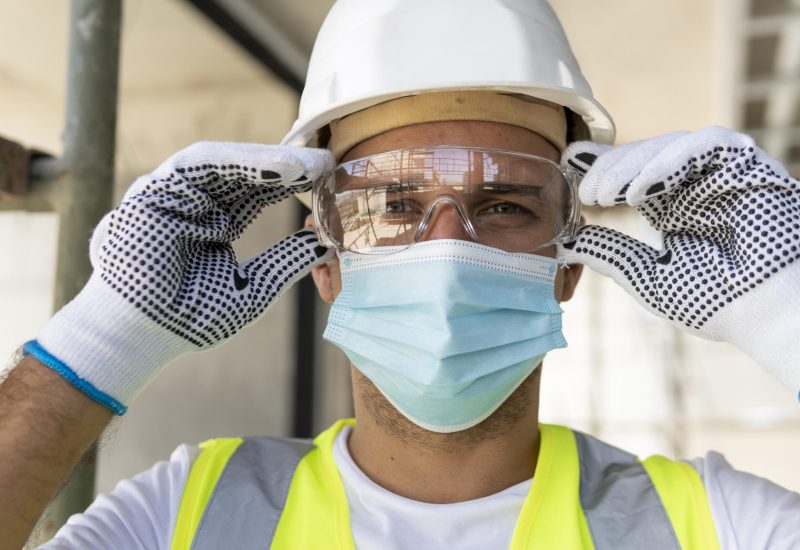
(87, 193)
(89, 137)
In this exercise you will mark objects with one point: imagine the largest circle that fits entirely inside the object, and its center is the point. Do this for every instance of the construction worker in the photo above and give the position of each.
(444, 141)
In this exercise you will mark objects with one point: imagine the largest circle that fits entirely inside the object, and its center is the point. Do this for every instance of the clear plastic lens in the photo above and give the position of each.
(511, 201)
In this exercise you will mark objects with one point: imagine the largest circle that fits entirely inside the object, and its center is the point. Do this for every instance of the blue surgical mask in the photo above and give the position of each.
(446, 329)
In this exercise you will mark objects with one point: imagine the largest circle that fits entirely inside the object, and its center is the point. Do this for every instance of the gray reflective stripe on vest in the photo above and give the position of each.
(246, 504)
(619, 500)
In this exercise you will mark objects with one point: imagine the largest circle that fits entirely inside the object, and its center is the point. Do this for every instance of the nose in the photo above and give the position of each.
(446, 220)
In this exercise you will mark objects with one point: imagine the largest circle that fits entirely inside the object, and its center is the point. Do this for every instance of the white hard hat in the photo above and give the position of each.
(371, 51)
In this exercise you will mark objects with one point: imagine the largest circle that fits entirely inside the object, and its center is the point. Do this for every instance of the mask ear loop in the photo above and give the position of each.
(462, 214)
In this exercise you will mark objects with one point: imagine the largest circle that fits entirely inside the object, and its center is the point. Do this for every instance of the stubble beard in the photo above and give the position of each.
(499, 424)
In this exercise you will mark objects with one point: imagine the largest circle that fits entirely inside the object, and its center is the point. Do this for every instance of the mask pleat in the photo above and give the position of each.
(446, 329)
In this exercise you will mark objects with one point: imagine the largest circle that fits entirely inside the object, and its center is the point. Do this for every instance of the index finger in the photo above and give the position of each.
(225, 171)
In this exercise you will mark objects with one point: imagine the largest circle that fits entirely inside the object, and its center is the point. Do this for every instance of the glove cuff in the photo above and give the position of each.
(35, 349)
(105, 347)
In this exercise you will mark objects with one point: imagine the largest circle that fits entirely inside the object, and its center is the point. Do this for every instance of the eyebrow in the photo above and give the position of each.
(485, 188)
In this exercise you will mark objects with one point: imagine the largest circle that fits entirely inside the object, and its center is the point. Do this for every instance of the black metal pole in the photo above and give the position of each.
(305, 344)
(255, 47)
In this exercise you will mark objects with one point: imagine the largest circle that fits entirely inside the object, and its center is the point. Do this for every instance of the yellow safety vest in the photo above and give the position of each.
(287, 494)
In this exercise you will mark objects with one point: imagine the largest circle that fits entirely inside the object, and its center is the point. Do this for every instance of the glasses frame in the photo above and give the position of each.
(571, 176)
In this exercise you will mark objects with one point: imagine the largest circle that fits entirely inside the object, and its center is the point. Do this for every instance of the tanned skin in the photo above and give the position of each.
(46, 425)
(502, 450)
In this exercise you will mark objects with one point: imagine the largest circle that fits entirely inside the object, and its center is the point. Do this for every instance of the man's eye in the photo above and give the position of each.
(398, 207)
(507, 208)
(503, 208)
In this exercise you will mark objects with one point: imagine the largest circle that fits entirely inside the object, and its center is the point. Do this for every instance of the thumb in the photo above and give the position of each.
(277, 269)
(581, 155)
(630, 263)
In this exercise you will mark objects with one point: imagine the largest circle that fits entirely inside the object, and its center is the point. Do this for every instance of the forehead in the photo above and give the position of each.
(468, 133)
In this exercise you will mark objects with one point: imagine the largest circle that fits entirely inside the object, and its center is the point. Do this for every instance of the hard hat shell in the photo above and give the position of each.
(371, 51)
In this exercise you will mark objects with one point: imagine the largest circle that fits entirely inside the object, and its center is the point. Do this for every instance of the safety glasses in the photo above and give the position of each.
(511, 201)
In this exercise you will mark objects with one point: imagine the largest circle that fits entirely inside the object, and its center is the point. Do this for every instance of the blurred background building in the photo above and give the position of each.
(229, 70)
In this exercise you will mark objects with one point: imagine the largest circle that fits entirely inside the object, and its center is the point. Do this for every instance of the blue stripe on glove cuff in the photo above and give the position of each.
(34, 348)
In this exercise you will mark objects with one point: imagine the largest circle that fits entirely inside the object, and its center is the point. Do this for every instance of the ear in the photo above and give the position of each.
(322, 273)
(570, 275)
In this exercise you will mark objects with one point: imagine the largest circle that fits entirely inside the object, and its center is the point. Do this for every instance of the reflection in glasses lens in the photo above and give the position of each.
(511, 201)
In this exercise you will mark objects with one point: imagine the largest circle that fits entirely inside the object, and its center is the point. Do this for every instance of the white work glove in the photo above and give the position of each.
(166, 280)
(730, 219)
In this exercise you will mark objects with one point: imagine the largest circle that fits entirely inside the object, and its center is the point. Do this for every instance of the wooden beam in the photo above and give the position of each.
(14, 162)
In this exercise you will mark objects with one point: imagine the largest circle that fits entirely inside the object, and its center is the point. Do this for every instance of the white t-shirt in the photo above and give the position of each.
(381, 519)
(750, 513)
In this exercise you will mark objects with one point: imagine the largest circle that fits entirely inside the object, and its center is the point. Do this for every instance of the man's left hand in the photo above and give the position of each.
(730, 217)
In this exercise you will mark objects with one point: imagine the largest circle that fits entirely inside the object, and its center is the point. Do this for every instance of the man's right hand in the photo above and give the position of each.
(166, 280)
